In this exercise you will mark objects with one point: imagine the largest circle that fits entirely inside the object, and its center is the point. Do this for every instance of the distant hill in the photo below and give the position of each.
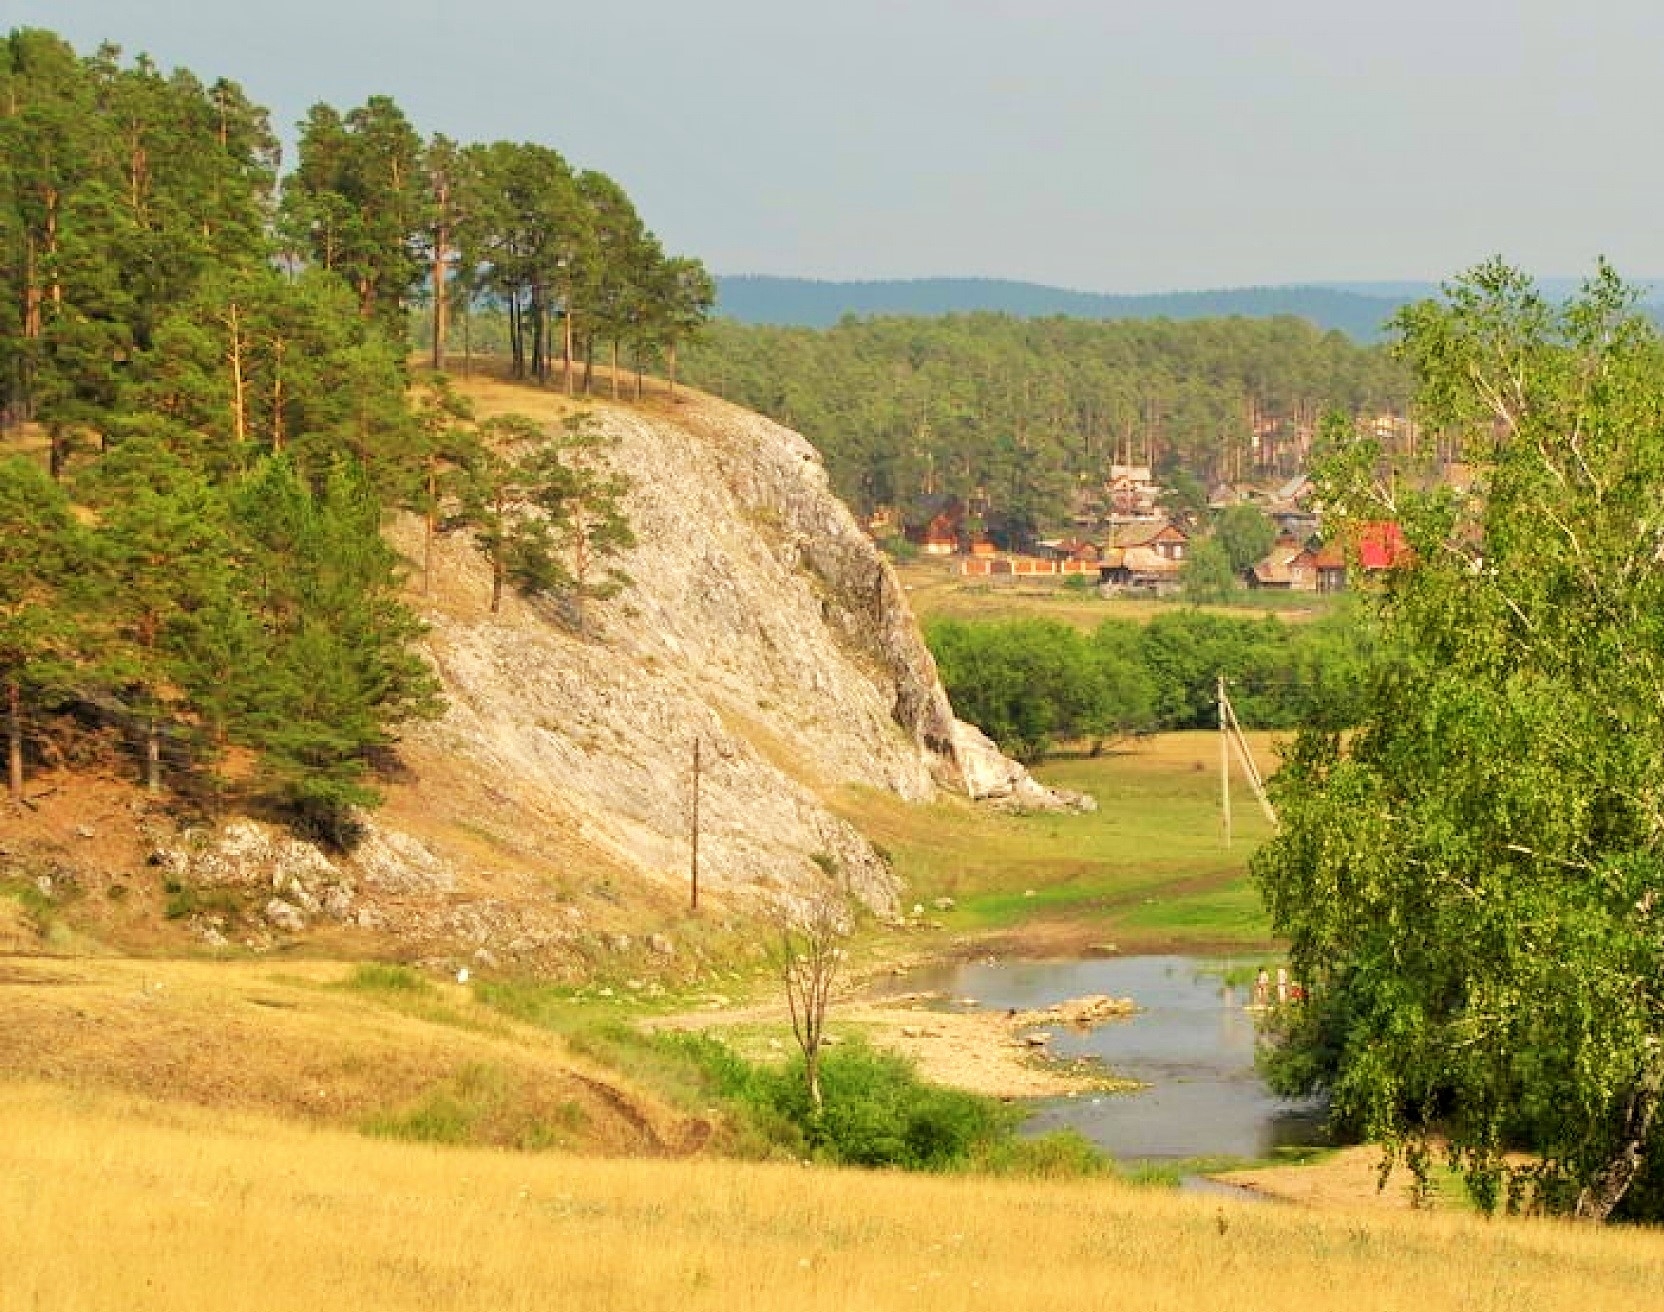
(1359, 309)
(810, 303)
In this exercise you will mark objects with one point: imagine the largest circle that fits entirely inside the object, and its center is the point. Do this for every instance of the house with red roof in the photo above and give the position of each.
(1381, 545)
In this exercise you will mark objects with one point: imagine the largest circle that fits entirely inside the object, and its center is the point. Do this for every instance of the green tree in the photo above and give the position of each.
(163, 542)
(1473, 882)
(1207, 574)
(44, 555)
(338, 673)
(506, 475)
(1246, 533)
(583, 498)
(684, 296)
(357, 203)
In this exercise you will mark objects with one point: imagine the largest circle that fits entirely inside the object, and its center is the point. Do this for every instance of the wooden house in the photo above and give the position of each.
(1166, 539)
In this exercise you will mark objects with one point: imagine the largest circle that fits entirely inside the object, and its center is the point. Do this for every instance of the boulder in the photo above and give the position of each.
(285, 916)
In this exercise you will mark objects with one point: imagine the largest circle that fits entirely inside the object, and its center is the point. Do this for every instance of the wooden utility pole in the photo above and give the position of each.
(1231, 736)
(1224, 762)
(693, 873)
(1252, 771)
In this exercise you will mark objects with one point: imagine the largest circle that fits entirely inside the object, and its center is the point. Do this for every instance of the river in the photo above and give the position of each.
(1191, 1045)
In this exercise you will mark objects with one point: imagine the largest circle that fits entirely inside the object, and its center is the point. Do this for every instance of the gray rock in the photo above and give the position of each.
(285, 916)
(660, 945)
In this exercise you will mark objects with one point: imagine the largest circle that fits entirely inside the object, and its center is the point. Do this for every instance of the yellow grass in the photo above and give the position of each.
(294, 1039)
(115, 1204)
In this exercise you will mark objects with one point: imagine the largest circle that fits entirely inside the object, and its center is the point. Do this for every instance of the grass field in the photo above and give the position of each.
(116, 1204)
(1149, 868)
(372, 1048)
(935, 590)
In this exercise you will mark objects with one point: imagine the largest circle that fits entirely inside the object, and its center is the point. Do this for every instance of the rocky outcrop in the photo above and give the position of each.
(987, 774)
(760, 623)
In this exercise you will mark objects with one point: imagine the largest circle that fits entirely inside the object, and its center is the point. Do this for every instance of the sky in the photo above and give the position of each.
(1105, 145)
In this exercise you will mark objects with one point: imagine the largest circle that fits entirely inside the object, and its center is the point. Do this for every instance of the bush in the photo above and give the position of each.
(877, 1112)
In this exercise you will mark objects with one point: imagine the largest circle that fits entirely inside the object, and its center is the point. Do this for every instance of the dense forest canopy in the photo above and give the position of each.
(213, 357)
(1025, 412)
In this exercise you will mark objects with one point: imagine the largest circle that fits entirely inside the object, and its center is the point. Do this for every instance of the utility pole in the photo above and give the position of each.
(693, 874)
(1224, 762)
(1231, 736)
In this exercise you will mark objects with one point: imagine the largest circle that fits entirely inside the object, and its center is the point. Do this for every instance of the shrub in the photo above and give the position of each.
(878, 1112)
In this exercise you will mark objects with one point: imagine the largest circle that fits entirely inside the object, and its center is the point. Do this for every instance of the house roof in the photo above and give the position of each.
(1146, 532)
(1381, 545)
(1295, 488)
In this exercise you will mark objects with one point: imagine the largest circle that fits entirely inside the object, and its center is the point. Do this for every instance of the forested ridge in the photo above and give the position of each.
(1026, 412)
(1359, 312)
(206, 413)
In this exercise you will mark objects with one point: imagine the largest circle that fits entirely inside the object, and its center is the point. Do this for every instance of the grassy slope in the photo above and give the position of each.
(111, 1203)
(1147, 869)
(374, 1048)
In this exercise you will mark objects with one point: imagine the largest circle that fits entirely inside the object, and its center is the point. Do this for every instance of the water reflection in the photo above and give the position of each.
(1191, 1044)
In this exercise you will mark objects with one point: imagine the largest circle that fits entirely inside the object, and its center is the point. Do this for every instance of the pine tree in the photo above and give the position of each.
(339, 673)
(44, 557)
(165, 551)
(585, 499)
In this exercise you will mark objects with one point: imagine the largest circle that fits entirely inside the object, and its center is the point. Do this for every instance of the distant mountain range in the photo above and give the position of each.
(1359, 309)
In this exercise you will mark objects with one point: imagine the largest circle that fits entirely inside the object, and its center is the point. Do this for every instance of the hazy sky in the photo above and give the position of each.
(1110, 145)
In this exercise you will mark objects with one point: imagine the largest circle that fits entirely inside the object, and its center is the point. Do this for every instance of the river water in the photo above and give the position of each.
(1191, 1045)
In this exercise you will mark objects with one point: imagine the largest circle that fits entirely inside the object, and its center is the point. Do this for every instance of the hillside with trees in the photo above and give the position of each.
(1361, 312)
(206, 414)
(1021, 414)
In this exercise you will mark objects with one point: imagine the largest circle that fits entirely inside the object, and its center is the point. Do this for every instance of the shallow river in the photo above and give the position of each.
(1191, 1044)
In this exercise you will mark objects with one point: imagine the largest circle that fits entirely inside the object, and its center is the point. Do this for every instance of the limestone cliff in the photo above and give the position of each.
(760, 622)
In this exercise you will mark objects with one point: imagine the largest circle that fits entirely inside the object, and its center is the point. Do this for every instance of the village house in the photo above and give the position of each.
(1139, 569)
(1282, 568)
(1166, 539)
(1132, 492)
(1067, 549)
(940, 537)
(1294, 566)
(1329, 567)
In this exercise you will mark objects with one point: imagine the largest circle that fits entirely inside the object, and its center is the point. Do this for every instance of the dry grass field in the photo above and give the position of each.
(325, 1043)
(112, 1203)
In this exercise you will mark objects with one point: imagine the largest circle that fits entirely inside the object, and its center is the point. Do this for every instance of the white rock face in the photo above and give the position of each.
(760, 621)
